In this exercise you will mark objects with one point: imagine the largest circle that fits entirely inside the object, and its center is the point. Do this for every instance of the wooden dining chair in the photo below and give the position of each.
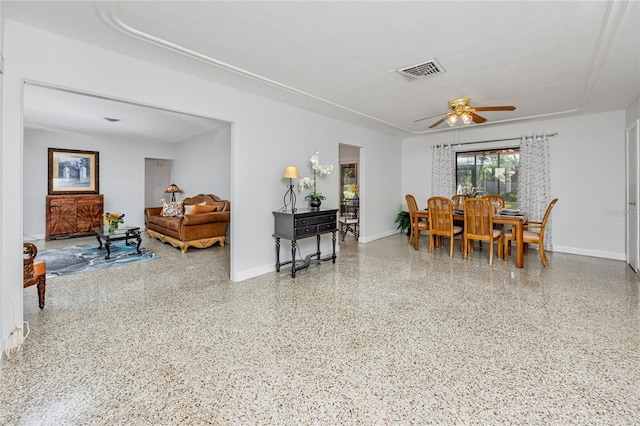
(478, 225)
(34, 272)
(497, 202)
(418, 224)
(441, 222)
(349, 219)
(533, 237)
(457, 201)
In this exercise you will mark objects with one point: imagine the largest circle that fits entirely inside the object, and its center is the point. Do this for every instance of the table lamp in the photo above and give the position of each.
(291, 172)
(173, 188)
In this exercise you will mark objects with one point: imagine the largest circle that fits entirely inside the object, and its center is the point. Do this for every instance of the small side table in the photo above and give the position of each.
(304, 223)
(125, 233)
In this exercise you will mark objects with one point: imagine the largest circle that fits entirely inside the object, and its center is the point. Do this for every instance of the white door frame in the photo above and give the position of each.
(633, 195)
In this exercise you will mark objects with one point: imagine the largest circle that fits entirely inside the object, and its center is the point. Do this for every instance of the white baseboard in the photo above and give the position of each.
(371, 238)
(265, 269)
(592, 253)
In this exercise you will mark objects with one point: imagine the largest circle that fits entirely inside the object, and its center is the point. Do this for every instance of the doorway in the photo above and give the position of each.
(351, 203)
(157, 176)
(126, 134)
(633, 193)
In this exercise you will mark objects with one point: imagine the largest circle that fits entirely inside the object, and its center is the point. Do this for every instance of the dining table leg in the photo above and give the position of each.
(519, 245)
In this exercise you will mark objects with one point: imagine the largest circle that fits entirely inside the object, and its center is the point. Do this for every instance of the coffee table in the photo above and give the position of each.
(125, 233)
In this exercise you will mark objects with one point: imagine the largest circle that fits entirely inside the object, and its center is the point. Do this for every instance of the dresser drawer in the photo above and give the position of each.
(306, 221)
(68, 201)
(306, 230)
(326, 227)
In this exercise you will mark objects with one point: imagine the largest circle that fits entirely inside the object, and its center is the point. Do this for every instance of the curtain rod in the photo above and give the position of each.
(549, 135)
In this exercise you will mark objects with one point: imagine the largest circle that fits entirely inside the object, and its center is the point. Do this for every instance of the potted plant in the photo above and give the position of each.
(315, 197)
(404, 221)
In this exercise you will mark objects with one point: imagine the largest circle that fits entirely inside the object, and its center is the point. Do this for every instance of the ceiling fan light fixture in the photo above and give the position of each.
(452, 118)
(466, 118)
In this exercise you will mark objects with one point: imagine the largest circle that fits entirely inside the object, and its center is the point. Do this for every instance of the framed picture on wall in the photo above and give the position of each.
(73, 172)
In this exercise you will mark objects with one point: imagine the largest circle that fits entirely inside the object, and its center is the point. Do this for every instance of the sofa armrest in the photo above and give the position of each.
(201, 218)
(152, 211)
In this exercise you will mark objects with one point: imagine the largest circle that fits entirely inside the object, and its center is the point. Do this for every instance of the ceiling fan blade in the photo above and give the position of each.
(495, 108)
(431, 116)
(477, 119)
(439, 122)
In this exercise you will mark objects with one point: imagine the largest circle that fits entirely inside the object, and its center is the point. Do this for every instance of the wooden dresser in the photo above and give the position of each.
(73, 215)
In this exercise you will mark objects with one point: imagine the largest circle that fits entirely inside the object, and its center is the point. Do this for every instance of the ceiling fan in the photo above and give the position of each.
(461, 109)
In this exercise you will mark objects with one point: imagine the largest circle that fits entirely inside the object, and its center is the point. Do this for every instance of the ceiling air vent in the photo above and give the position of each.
(431, 67)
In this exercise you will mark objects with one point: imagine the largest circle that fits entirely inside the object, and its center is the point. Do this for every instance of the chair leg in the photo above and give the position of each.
(451, 243)
(42, 286)
(465, 247)
(506, 249)
(543, 255)
(416, 239)
(490, 252)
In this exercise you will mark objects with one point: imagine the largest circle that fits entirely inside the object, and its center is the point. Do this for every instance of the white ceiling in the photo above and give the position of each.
(546, 58)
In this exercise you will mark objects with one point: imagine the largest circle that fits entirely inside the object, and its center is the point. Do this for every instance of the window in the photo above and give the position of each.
(349, 181)
(494, 172)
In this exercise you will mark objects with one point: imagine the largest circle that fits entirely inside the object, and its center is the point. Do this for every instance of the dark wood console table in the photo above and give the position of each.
(125, 233)
(304, 223)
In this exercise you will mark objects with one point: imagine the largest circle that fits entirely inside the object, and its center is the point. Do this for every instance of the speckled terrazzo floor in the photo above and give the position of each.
(387, 335)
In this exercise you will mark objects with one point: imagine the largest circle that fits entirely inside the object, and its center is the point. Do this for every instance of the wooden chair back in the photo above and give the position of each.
(457, 201)
(478, 219)
(440, 216)
(417, 224)
(497, 202)
(478, 225)
(34, 272)
(412, 205)
(529, 236)
(441, 222)
(543, 225)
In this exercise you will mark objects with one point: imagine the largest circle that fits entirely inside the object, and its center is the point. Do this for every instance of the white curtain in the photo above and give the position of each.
(443, 171)
(534, 186)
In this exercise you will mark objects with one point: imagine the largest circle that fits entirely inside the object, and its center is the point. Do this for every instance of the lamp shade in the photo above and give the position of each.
(452, 118)
(291, 173)
(466, 118)
(173, 188)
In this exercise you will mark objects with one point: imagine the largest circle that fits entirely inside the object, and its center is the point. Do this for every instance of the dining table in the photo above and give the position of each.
(516, 221)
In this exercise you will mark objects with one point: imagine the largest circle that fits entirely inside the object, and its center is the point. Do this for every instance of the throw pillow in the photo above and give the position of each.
(188, 208)
(203, 209)
(172, 209)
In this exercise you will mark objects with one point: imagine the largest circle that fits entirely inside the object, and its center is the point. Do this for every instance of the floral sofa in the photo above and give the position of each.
(199, 221)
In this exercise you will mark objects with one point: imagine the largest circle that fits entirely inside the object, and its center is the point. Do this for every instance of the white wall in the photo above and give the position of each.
(587, 175)
(157, 177)
(633, 112)
(121, 173)
(266, 137)
(13, 318)
(203, 165)
(349, 154)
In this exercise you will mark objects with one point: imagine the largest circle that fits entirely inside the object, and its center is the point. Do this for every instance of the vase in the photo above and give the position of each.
(112, 227)
(315, 203)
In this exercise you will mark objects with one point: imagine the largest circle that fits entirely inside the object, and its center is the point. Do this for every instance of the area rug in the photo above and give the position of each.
(87, 257)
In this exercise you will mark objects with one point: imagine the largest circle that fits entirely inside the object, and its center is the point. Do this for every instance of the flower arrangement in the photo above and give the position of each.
(308, 182)
(472, 192)
(113, 218)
